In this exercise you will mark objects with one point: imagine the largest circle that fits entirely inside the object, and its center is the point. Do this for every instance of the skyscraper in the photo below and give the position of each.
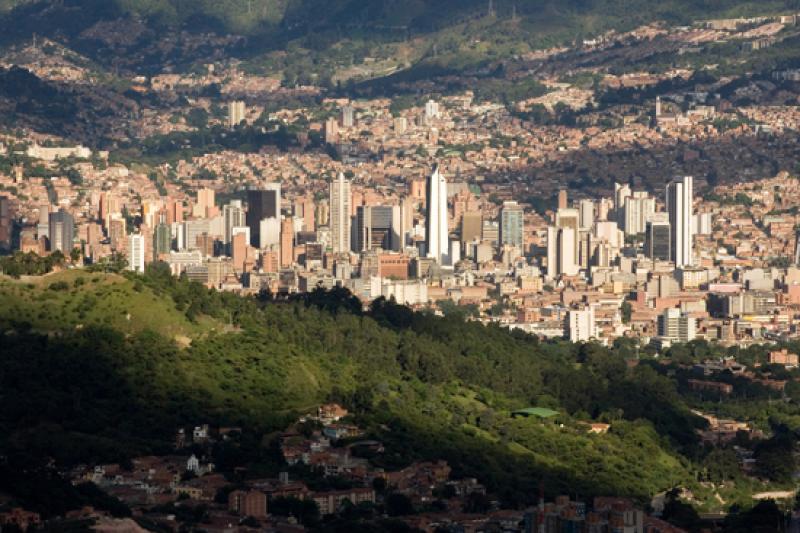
(436, 231)
(512, 219)
(162, 240)
(374, 227)
(339, 197)
(287, 242)
(657, 243)
(233, 217)
(62, 231)
(262, 204)
(679, 206)
(637, 208)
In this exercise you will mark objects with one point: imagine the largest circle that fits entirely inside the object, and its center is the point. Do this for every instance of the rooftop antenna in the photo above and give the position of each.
(491, 9)
(514, 12)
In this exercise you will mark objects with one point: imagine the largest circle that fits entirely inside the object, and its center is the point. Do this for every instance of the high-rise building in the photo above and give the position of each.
(61, 227)
(162, 240)
(6, 223)
(562, 251)
(374, 227)
(236, 113)
(233, 216)
(680, 196)
(339, 198)
(136, 252)
(675, 326)
(287, 242)
(471, 226)
(431, 109)
(261, 204)
(205, 203)
(436, 230)
(562, 199)
(512, 219)
(658, 241)
(620, 193)
(581, 325)
(586, 214)
(638, 207)
(348, 116)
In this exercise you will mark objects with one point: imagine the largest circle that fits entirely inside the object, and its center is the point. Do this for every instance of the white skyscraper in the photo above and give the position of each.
(136, 253)
(339, 199)
(436, 231)
(679, 207)
(638, 208)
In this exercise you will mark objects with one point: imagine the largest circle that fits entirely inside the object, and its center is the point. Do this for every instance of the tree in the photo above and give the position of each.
(398, 505)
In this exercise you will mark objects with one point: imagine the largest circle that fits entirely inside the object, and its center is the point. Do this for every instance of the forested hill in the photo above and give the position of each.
(97, 27)
(99, 367)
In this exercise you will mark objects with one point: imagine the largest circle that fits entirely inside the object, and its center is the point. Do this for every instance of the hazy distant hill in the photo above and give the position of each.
(317, 24)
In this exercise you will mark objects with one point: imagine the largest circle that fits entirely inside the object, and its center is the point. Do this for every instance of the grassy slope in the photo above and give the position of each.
(99, 300)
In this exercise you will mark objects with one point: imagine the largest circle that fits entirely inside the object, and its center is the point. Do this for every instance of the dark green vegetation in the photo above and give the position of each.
(99, 367)
(330, 33)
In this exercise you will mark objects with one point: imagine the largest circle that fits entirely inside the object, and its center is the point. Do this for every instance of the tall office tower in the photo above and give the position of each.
(374, 227)
(236, 113)
(658, 242)
(679, 206)
(562, 199)
(287, 242)
(261, 204)
(136, 246)
(348, 114)
(638, 209)
(471, 226)
(239, 251)
(233, 216)
(562, 252)
(512, 219)
(603, 207)
(162, 240)
(436, 231)
(620, 193)
(270, 233)
(61, 226)
(581, 325)
(205, 203)
(402, 223)
(586, 214)
(675, 326)
(339, 199)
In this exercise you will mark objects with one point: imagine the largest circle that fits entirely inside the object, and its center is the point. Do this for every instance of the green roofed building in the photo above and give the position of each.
(541, 412)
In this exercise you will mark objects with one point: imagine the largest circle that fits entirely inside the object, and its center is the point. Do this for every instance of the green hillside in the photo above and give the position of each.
(428, 387)
(334, 34)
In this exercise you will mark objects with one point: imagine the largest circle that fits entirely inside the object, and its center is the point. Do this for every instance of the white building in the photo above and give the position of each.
(679, 207)
(136, 247)
(638, 209)
(236, 113)
(581, 326)
(339, 198)
(675, 326)
(436, 228)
